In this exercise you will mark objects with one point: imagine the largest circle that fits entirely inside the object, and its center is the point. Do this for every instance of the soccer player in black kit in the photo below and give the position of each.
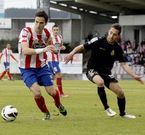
(104, 52)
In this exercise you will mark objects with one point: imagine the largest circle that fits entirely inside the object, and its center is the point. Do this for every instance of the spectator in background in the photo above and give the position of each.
(142, 53)
(6, 54)
(128, 48)
(141, 47)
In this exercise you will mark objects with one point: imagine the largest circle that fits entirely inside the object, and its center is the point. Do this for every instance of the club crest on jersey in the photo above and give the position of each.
(112, 53)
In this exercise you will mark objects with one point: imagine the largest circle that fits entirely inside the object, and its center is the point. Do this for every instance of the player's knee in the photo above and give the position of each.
(98, 80)
(121, 94)
(51, 92)
(58, 75)
(100, 83)
(37, 95)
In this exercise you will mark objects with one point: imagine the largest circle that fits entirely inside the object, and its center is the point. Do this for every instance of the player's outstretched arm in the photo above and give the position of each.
(14, 58)
(69, 57)
(131, 73)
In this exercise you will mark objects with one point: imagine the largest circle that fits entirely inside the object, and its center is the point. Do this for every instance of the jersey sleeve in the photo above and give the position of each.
(121, 56)
(48, 36)
(91, 43)
(61, 38)
(24, 36)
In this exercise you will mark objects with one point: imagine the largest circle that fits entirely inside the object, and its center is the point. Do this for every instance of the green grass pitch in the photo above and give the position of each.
(85, 111)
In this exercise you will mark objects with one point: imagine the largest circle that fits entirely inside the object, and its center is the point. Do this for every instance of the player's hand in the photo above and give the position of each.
(50, 48)
(53, 49)
(68, 57)
(138, 78)
(63, 47)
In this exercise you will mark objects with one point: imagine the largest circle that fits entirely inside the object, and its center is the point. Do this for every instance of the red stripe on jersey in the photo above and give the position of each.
(27, 61)
(38, 63)
(24, 36)
(45, 56)
(39, 38)
(53, 58)
(60, 39)
(24, 40)
(28, 57)
(31, 38)
(47, 37)
(25, 29)
(47, 34)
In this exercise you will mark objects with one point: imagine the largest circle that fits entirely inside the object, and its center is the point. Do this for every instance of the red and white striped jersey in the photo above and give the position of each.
(57, 41)
(28, 35)
(6, 54)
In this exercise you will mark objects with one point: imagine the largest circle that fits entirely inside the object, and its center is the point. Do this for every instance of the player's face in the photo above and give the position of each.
(8, 46)
(113, 35)
(55, 31)
(39, 24)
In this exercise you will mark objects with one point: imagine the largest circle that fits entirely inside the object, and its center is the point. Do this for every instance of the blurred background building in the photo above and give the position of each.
(79, 21)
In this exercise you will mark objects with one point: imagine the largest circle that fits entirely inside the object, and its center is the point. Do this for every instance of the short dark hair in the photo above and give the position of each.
(55, 25)
(117, 27)
(42, 13)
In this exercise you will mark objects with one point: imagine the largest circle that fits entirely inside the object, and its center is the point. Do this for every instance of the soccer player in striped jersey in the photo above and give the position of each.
(34, 42)
(7, 53)
(104, 52)
(53, 58)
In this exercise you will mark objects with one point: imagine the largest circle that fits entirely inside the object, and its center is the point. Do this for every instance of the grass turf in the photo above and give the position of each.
(85, 111)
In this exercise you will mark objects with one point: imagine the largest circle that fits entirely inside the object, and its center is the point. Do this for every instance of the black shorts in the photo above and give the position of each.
(108, 78)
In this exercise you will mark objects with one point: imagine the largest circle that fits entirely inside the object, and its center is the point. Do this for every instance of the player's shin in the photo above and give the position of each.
(121, 104)
(9, 75)
(59, 85)
(2, 75)
(56, 98)
(41, 104)
(103, 97)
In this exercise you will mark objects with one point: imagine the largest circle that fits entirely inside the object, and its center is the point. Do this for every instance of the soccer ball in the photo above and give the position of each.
(9, 113)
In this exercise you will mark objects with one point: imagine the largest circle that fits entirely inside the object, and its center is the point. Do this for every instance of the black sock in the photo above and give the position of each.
(102, 95)
(121, 105)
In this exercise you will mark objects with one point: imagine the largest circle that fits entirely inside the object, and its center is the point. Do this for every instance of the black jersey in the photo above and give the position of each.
(103, 55)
